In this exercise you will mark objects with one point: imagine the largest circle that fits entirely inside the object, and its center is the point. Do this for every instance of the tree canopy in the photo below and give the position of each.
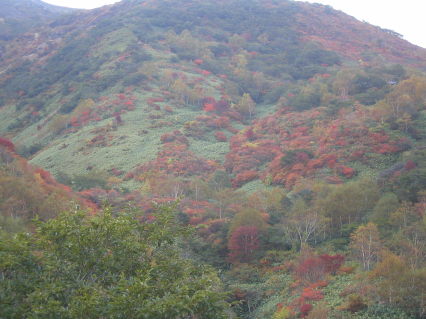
(105, 266)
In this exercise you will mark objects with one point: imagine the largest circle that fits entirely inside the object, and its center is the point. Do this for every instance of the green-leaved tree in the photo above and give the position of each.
(105, 266)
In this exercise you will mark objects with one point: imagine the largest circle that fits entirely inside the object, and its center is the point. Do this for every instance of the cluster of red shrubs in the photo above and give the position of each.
(220, 136)
(309, 276)
(152, 102)
(105, 109)
(314, 268)
(211, 105)
(315, 148)
(174, 136)
(305, 309)
(243, 178)
(176, 159)
(7, 144)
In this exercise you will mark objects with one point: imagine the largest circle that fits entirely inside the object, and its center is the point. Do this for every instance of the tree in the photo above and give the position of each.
(312, 267)
(248, 217)
(243, 243)
(303, 223)
(342, 83)
(385, 206)
(105, 266)
(365, 244)
(398, 285)
(223, 199)
(246, 105)
(348, 203)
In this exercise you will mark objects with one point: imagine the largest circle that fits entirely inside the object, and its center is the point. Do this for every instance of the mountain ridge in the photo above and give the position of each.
(18, 17)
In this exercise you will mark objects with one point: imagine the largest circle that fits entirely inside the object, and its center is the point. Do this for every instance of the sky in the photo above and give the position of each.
(405, 17)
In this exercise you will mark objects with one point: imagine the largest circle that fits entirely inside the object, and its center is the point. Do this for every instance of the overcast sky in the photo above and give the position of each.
(405, 17)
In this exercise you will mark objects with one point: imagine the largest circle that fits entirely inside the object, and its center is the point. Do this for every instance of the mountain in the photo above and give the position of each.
(17, 17)
(276, 124)
(71, 81)
(29, 9)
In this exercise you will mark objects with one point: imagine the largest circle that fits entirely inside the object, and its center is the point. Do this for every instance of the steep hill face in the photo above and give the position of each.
(139, 88)
(27, 192)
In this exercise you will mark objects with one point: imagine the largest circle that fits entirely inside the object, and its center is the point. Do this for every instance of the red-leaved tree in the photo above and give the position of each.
(314, 268)
(244, 241)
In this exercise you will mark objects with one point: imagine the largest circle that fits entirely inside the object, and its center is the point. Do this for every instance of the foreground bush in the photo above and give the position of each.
(105, 266)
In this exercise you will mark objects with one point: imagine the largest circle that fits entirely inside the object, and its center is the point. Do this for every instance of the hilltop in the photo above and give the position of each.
(18, 17)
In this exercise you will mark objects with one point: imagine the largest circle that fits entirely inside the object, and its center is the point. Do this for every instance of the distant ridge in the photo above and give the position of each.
(18, 16)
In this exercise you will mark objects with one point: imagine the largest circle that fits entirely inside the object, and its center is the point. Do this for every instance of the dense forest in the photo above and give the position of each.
(210, 159)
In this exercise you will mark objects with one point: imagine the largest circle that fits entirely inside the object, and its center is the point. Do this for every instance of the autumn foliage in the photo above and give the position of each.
(243, 243)
(314, 268)
(7, 144)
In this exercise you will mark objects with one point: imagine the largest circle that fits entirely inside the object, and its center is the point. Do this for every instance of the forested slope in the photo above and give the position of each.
(291, 135)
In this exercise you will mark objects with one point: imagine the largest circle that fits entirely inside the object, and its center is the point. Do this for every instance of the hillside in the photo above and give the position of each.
(29, 192)
(17, 17)
(283, 128)
(134, 63)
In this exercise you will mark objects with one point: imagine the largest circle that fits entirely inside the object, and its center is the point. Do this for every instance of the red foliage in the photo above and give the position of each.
(250, 134)
(195, 220)
(409, 165)
(359, 154)
(243, 243)
(379, 137)
(291, 179)
(167, 138)
(45, 176)
(176, 159)
(74, 122)
(168, 109)
(221, 122)
(244, 177)
(346, 171)
(7, 144)
(220, 137)
(314, 268)
(312, 294)
(386, 149)
(332, 263)
(130, 105)
(305, 309)
(209, 107)
(222, 105)
(198, 61)
(173, 136)
(232, 130)
(315, 163)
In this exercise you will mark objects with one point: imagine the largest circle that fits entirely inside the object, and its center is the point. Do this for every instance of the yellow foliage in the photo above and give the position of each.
(251, 145)
(282, 313)
(113, 180)
(83, 106)
(58, 123)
